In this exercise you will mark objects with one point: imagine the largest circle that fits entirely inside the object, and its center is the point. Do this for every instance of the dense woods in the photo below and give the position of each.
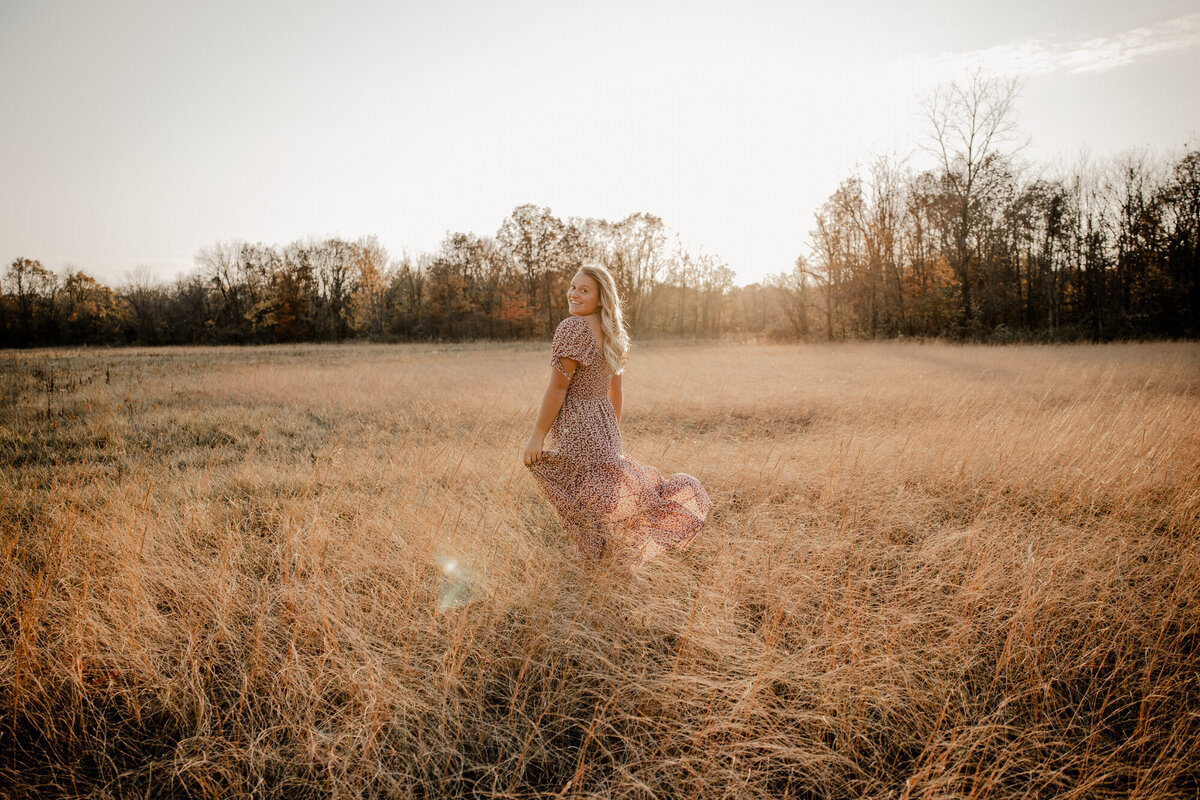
(509, 285)
(978, 246)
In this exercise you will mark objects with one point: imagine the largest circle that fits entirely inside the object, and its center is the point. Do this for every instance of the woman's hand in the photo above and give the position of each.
(533, 449)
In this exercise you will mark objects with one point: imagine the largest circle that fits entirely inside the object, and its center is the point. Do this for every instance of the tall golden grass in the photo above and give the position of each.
(931, 571)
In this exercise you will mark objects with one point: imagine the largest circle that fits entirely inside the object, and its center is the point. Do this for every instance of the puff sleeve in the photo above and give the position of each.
(572, 339)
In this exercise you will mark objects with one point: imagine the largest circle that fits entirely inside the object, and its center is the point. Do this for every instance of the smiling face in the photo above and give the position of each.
(583, 297)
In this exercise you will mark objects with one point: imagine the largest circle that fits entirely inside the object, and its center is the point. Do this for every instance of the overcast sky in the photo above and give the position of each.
(135, 133)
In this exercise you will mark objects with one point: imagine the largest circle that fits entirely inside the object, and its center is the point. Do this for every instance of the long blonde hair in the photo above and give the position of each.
(612, 322)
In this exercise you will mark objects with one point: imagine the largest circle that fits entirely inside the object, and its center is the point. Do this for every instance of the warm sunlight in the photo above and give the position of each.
(637, 399)
(144, 131)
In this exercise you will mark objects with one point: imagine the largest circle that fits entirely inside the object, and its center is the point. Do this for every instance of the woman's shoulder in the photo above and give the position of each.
(573, 327)
(572, 323)
(576, 334)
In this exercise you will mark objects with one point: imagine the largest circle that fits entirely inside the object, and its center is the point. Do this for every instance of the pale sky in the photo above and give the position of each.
(135, 133)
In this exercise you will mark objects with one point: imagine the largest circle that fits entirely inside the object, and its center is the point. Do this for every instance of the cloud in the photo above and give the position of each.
(1041, 57)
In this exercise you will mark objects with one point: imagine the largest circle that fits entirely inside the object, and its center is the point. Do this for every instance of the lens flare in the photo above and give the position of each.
(455, 587)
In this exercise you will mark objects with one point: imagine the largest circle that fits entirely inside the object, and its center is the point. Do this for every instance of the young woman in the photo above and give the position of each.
(612, 506)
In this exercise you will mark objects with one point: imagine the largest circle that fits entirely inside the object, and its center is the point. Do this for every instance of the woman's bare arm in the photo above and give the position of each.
(614, 394)
(556, 392)
(552, 401)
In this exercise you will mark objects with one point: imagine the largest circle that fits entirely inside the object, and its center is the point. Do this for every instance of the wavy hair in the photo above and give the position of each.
(612, 323)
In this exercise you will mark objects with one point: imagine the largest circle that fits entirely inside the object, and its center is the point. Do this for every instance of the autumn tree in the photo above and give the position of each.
(536, 241)
(34, 290)
(369, 301)
(89, 312)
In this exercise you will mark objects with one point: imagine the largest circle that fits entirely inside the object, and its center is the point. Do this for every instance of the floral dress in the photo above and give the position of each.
(610, 504)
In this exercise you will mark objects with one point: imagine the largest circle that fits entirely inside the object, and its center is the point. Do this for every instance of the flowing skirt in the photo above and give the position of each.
(612, 505)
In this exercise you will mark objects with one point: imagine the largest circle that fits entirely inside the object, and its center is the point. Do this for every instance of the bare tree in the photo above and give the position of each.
(218, 264)
(334, 272)
(409, 283)
(638, 242)
(837, 250)
(971, 124)
(146, 297)
(792, 290)
(885, 201)
(716, 280)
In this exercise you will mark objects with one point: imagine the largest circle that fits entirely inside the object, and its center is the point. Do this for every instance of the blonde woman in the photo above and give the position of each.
(613, 506)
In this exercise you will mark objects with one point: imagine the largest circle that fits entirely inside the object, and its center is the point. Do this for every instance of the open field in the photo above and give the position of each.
(931, 571)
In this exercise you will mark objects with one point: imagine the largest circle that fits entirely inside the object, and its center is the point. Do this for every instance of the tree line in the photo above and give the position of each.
(981, 246)
(507, 286)
(976, 246)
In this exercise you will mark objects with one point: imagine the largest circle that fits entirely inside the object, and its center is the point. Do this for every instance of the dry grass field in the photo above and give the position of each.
(930, 571)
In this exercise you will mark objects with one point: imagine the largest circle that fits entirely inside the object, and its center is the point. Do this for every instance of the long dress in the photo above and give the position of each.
(610, 504)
